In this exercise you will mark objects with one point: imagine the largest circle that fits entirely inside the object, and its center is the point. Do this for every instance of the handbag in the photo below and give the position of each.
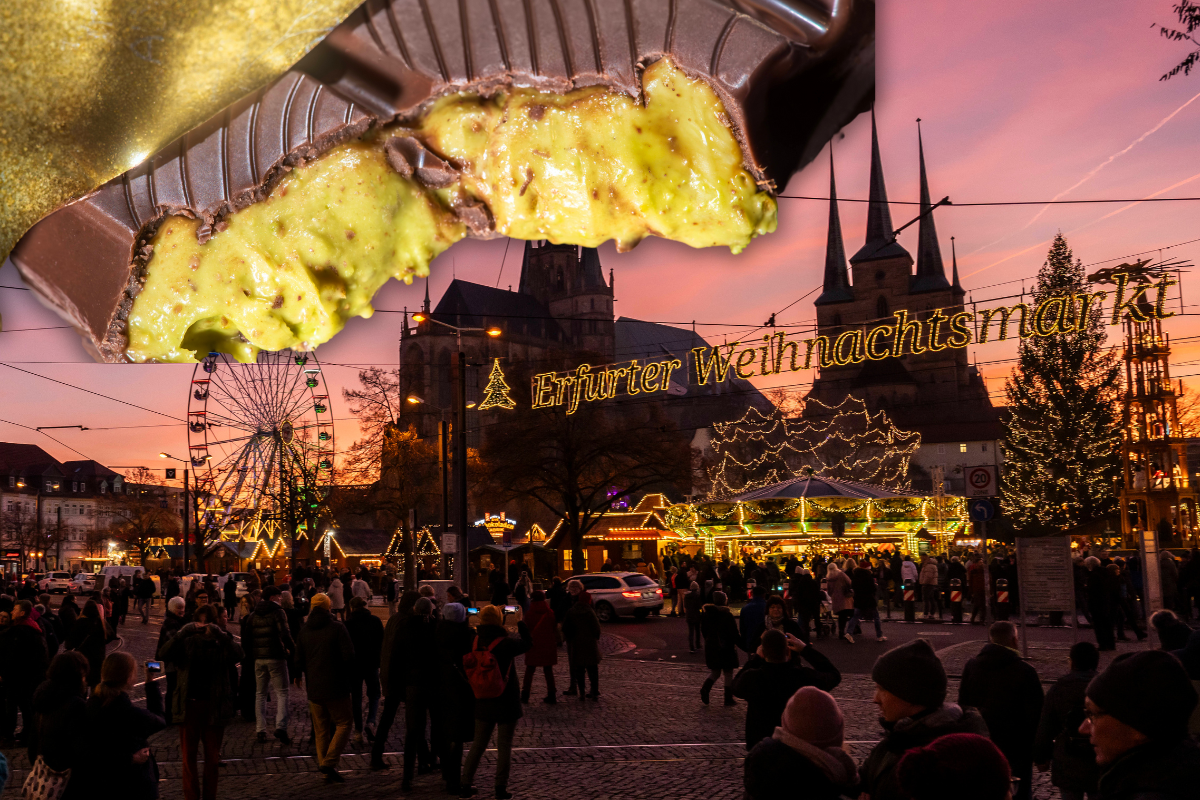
(43, 783)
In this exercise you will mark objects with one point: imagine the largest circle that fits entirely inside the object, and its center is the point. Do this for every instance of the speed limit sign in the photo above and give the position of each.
(981, 481)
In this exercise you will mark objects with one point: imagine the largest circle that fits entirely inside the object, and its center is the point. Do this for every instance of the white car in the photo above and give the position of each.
(55, 582)
(83, 583)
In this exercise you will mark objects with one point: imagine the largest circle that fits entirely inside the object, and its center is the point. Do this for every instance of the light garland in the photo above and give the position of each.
(496, 392)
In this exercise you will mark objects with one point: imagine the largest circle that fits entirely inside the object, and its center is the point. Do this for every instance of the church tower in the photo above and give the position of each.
(569, 281)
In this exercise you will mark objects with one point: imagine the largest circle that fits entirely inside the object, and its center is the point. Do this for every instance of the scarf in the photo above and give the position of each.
(833, 761)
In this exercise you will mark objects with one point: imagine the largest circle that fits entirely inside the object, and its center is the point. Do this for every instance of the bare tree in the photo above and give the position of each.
(138, 518)
(18, 528)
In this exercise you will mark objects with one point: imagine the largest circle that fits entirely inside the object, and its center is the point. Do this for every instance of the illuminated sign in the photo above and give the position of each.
(497, 525)
(778, 352)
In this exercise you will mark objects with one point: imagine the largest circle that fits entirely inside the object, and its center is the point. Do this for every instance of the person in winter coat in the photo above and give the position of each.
(910, 690)
(559, 599)
(456, 702)
(977, 590)
(692, 604)
(1101, 592)
(750, 619)
(68, 612)
(59, 731)
(522, 591)
(366, 634)
(544, 653)
(776, 619)
(929, 587)
(721, 640)
(23, 662)
(269, 647)
(172, 622)
(841, 592)
(420, 685)
(1058, 744)
(229, 596)
(773, 674)
(89, 636)
(955, 764)
(360, 588)
(1189, 656)
(1172, 632)
(1169, 569)
(1008, 693)
(803, 756)
(806, 599)
(337, 600)
(325, 659)
(498, 713)
(581, 630)
(119, 754)
(203, 700)
(391, 674)
(866, 602)
(1137, 720)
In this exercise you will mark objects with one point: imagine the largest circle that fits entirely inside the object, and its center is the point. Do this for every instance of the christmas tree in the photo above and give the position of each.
(1062, 439)
(495, 394)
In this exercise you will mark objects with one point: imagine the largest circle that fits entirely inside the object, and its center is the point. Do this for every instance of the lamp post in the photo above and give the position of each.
(460, 444)
(187, 507)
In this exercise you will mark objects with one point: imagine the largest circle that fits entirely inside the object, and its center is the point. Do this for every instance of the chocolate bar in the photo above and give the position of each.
(788, 74)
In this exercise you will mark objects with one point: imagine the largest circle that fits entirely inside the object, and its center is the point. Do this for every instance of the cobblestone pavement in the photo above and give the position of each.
(647, 737)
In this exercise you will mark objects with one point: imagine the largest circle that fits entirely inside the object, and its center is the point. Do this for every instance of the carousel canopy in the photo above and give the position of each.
(820, 487)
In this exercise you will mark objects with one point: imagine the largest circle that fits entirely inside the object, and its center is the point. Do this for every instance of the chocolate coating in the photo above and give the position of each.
(786, 90)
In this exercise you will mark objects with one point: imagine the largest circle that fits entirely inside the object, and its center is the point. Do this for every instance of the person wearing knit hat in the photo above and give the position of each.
(910, 690)
(1137, 716)
(947, 766)
(804, 751)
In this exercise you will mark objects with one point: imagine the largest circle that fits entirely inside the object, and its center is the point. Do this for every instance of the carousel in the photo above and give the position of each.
(813, 515)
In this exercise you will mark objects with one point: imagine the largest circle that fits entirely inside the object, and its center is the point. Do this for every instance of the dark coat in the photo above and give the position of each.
(506, 707)
(721, 637)
(878, 772)
(862, 580)
(1153, 771)
(270, 636)
(60, 734)
(391, 661)
(774, 771)
(1058, 740)
(457, 702)
(416, 648)
(1008, 693)
(366, 633)
(170, 626)
(581, 629)
(89, 638)
(23, 657)
(119, 729)
(560, 601)
(544, 632)
(806, 596)
(749, 621)
(693, 602)
(325, 657)
(767, 687)
(68, 612)
(203, 655)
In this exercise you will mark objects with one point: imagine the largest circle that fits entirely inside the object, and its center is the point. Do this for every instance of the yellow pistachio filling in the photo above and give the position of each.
(582, 167)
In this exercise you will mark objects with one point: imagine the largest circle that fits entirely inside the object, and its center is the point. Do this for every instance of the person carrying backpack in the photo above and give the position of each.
(493, 679)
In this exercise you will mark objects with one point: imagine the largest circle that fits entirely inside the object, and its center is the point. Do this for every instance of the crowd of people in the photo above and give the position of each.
(1128, 731)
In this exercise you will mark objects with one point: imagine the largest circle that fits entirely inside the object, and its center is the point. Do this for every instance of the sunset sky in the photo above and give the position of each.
(1024, 100)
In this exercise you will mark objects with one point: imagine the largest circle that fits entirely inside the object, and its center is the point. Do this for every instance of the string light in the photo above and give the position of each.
(495, 394)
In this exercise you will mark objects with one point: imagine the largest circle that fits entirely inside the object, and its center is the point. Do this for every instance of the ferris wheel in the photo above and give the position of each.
(260, 440)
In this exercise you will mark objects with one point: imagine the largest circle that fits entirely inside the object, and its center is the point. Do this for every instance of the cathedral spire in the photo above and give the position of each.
(837, 278)
(425, 307)
(879, 242)
(954, 284)
(931, 272)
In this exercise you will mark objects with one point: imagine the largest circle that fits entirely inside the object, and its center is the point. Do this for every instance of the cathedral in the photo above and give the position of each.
(933, 390)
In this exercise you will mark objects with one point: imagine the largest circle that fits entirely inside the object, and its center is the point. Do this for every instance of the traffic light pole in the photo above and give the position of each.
(461, 558)
(187, 513)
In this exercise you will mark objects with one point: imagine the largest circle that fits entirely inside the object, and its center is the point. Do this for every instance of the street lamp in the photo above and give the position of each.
(187, 507)
(460, 442)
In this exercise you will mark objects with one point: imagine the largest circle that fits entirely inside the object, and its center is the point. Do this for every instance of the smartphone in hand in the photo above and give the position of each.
(154, 666)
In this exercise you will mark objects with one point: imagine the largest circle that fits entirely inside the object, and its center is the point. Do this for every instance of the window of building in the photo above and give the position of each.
(881, 307)
(962, 448)
(567, 555)
(941, 449)
(880, 275)
(49, 486)
(631, 551)
(12, 481)
(985, 447)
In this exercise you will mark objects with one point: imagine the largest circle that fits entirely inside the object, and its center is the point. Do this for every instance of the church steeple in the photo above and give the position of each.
(879, 215)
(837, 277)
(931, 272)
(954, 284)
(425, 307)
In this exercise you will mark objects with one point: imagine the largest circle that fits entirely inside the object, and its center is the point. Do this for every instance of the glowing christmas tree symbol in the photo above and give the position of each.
(495, 394)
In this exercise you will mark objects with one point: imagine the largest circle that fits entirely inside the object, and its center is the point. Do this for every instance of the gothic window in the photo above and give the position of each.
(444, 393)
(559, 279)
(881, 307)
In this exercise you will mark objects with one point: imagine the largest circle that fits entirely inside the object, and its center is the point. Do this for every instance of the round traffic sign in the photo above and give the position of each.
(980, 510)
(980, 479)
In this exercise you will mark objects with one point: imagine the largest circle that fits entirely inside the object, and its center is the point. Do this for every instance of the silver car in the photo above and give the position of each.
(622, 593)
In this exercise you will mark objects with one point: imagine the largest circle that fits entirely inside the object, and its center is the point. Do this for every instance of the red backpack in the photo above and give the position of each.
(483, 671)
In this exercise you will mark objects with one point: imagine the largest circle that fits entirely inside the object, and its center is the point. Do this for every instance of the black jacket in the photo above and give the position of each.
(506, 707)
(862, 581)
(417, 652)
(774, 771)
(270, 635)
(1008, 693)
(1154, 771)
(721, 637)
(60, 733)
(366, 633)
(560, 601)
(878, 772)
(767, 687)
(1058, 740)
(143, 588)
(457, 702)
(325, 656)
(118, 730)
(170, 626)
(202, 655)
(23, 658)
(88, 636)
